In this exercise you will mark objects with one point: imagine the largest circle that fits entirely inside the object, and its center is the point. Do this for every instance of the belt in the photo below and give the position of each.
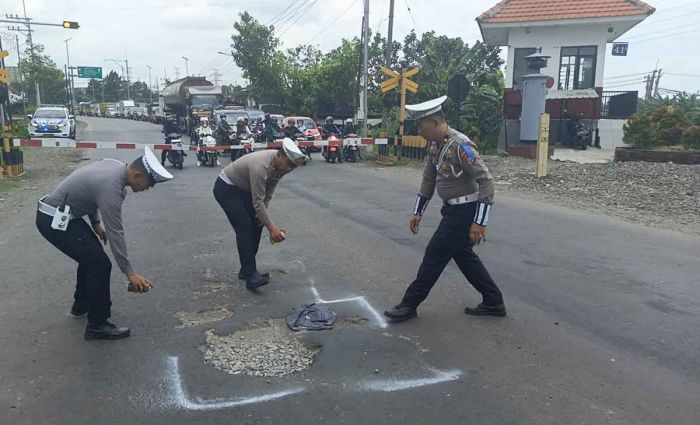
(225, 178)
(463, 199)
(49, 210)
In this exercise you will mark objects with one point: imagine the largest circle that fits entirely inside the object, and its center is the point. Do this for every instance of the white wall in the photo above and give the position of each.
(551, 39)
(611, 133)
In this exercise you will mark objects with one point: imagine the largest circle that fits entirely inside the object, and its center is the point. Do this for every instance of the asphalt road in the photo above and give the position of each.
(602, 327)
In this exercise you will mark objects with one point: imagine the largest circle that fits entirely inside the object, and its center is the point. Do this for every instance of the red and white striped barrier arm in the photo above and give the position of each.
(67, 143)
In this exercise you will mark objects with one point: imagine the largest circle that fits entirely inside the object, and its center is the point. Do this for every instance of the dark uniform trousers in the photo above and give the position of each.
(81, 244)
(238, 206)
(451, 241)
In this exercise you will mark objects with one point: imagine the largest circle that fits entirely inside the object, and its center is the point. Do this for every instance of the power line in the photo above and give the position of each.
(682, 75)
(628, 75)
(352, 3)
(279, 15)
(415, 27)
(665, 36)
(674, 29)
(301, 15)
(287, 17)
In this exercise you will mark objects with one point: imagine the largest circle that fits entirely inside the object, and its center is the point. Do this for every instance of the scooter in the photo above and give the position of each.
(351, 153)
(176, 155)
(207, 155)
(333, 150)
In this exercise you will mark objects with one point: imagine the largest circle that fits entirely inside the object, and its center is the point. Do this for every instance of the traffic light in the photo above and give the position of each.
(70, 25)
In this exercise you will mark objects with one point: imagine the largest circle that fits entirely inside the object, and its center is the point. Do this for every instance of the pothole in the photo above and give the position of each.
(268, 349)
(189, 319)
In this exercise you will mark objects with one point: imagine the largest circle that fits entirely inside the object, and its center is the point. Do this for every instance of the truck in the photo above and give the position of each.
(124, 107)
(189, 99)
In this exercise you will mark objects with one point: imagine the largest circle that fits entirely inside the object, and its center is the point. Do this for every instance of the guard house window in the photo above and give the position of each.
(520, 66)
(577, 68)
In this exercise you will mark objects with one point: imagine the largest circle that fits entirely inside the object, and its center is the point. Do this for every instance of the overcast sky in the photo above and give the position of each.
(160, 32)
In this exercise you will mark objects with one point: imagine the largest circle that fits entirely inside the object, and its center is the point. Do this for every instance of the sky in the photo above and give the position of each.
(159, 33)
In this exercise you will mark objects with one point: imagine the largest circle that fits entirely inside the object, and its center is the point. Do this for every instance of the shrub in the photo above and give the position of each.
(691, 137)
(669, 123)
(639, 131)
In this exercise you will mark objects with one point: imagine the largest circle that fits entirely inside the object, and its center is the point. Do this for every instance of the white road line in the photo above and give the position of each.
(180, 399)
(390, 385)
(360, 300)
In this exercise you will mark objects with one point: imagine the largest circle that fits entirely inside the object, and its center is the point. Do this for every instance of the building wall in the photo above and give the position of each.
(551, 39)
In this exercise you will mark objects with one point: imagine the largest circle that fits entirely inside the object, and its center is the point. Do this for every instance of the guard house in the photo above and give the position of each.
(574, 34)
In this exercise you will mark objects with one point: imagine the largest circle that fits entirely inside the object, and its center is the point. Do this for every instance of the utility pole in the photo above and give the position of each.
(150, 85)
(217, 76)
(656, 85)
(21, 80)
(187, 66)
(390, 35)
(71, 82)
(365, 78)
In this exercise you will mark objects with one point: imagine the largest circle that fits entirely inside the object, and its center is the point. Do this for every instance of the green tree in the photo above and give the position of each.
(140, 92)
(255, 50)
(40, 68)
(113, 87)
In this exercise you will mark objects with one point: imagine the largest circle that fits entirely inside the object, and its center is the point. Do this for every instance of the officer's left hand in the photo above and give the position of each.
(477, 234)
(100, 232)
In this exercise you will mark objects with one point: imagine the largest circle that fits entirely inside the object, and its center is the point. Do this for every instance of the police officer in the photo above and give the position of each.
(466, 188)
(97, 190)
(244, 190)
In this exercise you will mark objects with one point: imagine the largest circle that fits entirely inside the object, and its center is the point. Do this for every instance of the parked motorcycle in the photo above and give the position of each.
(583, 136)
(176, 155)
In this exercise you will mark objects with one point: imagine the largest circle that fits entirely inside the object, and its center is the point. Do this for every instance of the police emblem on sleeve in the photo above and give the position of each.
(467, 153)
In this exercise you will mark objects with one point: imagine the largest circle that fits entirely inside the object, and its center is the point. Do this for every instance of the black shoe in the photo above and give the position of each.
(487, 310)
(400, 313)
(255, 281)
(241, 276)
(106, 330)
(77, 311)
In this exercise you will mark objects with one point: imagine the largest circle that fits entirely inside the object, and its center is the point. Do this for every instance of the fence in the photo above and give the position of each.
(619, 104)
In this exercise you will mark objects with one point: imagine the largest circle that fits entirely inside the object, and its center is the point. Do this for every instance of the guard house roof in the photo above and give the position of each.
(553, 10)
(495, 22)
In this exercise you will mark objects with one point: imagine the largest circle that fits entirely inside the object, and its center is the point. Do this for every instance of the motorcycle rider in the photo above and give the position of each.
(222, 129)
(202, 131)
(169, 126)
(291, 130)
(243, 132)
(272, 129)
(349, 127)
(330, 128)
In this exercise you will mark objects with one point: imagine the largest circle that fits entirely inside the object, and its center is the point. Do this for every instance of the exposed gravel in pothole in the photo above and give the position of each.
(266, 349)
(189, 319)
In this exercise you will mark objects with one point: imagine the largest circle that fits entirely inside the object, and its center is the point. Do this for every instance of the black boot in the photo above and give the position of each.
(487, 310)
(241, 276)
(106, 330)
(400, 313)
(255, 281)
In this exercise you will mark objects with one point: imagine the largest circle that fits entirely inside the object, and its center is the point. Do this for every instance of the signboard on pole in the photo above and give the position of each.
(619, 49)
(90, 72)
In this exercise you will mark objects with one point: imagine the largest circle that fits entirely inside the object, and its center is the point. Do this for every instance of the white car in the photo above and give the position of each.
(51, 122)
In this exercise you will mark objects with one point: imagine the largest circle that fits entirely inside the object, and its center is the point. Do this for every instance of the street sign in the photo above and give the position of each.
(90, 72)
(4, 54)
(392, 82)
(409, 85)
(619, 49)
(4, 76)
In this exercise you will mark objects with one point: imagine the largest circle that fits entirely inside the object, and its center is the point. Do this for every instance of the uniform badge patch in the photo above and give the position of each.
(467, 153)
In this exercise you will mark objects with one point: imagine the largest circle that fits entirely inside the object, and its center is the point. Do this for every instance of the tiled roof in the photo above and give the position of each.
(510, 11)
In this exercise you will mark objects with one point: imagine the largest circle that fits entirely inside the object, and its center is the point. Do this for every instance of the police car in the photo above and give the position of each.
(51, 121)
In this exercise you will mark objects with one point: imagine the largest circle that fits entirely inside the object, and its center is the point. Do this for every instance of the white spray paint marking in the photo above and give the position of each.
(301, 263)
(389, 385)
(360, 300)
(180, 399)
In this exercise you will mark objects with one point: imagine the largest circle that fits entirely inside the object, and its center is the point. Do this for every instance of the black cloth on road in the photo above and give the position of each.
(81, 244)
(451, 241)
(311, 317)
(238, 206)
